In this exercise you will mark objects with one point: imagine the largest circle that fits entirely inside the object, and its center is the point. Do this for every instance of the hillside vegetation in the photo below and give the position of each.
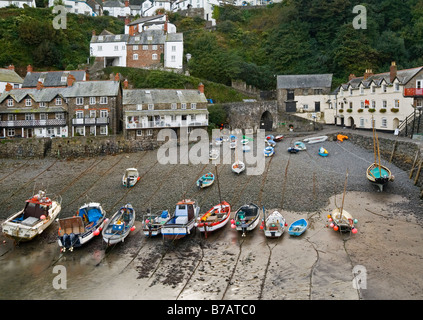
(304, 36)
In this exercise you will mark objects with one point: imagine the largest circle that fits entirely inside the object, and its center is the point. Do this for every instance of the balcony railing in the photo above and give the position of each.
(413, 92)
(33, 123)
(90, 121)
(165, 124)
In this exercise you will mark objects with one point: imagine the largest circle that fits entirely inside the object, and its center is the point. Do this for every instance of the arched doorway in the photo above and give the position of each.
(395, 123)
(351, 123)
(266, 121)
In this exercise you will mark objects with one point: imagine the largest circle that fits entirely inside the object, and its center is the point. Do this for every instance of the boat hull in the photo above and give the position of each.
(210, 226)
(177, 231)
(379, 177)
(247, 218)
(274, 225)
(21, 232)
(298, 227)
(112, 236)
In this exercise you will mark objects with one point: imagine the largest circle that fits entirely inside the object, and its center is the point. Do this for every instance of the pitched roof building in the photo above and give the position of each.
(9, 76)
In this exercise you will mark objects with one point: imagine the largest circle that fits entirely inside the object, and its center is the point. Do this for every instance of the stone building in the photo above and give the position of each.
(147, 111)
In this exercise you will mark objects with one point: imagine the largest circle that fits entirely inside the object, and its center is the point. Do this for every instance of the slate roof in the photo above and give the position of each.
(51, 78)
(158, 37)
(109, 37)
(146, 19)
(403, 77)
(304, 81)
(145, 96)
(7, 75)
(78, 89)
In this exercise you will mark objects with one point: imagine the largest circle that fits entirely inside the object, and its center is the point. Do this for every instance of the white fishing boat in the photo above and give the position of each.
(214, 219)
(153, 223)
(39, 212)
(130, 177)
(273, 225)
(120, 225)
(182, 221)
(214, 154)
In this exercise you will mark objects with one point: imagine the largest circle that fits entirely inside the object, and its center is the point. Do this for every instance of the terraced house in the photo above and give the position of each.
(8, 75)
(147, 111)
(81, 108)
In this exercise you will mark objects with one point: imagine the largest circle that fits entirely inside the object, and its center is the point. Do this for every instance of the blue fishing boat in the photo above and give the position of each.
(298, 227)
(300, 145)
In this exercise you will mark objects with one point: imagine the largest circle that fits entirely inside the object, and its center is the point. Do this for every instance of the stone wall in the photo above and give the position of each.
(24, 147)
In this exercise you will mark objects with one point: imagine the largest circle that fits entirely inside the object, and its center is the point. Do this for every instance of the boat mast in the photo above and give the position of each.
(378, 155)
(218, 187)
(343, 196)
(374, 139)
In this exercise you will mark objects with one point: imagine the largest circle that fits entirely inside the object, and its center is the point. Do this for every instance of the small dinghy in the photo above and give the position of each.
(269, 151)
(293, 150)
(205, 180)
(246, 148)
(238, 166)
(78, 230)
(120, 225)
(246, 218)
(214, 154)
(270, 137)
(316, 139)
(216, 218)
(300, 145)
(298, 227)
(218, 141)
(244, 141)
(323, 152)
(273, 225)
(39, 212)
(153, 223)
(182, 221)
(130, 177)
(271, 143)
(278, 138)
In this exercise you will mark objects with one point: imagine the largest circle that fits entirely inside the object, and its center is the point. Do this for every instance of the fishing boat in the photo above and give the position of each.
(323, 152)
(120, 225)
(206, 180)
(218, 141)
(153, 223)
(78, 230)
(245, 141)
(271, 143)
(268, 151)
(214, 219)
(214, 154)
(238, 166)
(339, 218)
(278, 138)
(246, 148)
(273, 225)
(298, 227)
(182, 220)
(270, 137)
(376, 173)
(130, 177)
(38, 213)
(247, 218)
(316, 139)
(293, 150)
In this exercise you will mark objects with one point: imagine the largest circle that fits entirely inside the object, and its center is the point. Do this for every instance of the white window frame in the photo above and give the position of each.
(384, 123)
(149, 132)
(135, 56)
(183, 106)
(135, 47)
(79, 101)
(145, 46)
(104, 113)
(193, 105)
(103, 100)
(79, 114)
(151, 106)
(58, 101)
(139, 133)
(173, 106)
(43, 104)
(397, 103)
(10, 102)
(103, 130)
(93, 100)
(28, 102)
(154, 56)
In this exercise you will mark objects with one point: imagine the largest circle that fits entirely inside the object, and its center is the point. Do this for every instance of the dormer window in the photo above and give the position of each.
(100, 38)
(28, 102)
(117, 37)
(137, 38)
(10, 102)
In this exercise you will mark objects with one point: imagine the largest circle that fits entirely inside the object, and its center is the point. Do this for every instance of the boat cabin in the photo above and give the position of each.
(35, 208)
(184, 212)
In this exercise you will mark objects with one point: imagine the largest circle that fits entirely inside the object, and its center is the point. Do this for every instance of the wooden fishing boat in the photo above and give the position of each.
(214, 219)
(273, 225)
(78, 230)
(206, 180)
(182, 220)
(316, 139)
(38, 214)
(120, 225)
(298, 227)
(153, 223)
(278, 138)
(340, 219)
(376, 173)
(269, 151)
(246, 218)
(323, 152)
(130, 177)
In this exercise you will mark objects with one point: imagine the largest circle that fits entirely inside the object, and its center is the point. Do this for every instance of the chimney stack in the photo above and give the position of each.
(29, 69)
(126, 84)
(165, 25)
(8, 87)
(40, 85)
(126, 3)
(93, 32)
(367, 74)
(393, 71)
(11, 67)
(127, 20)
(71, 80)
(117, 77)
(352, 76)
(201, 87)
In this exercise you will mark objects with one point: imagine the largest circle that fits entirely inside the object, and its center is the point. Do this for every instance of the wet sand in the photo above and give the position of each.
(224, 266)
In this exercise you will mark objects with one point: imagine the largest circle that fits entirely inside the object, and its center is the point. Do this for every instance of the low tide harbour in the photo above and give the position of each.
(385, 254)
